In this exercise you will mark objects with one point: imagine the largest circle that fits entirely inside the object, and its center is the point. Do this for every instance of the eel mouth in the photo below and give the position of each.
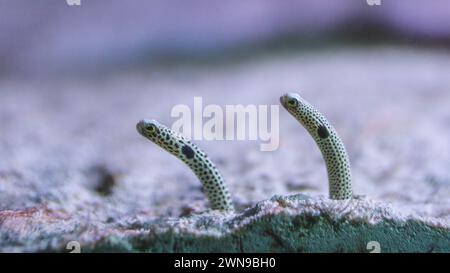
(282, 100)
(140, 127)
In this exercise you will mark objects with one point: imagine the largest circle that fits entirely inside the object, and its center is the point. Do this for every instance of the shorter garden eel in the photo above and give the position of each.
(331, 146)
(213, 183)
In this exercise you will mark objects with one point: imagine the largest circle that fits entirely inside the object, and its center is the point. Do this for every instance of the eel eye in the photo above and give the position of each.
(292, 102)
(151, 128)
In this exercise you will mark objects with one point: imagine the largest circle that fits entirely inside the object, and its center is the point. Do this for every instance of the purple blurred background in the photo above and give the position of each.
(74, 81)
(50, 37)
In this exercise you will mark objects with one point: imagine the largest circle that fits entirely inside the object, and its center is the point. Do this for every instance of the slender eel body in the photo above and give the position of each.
(331, 146)
(213, 183)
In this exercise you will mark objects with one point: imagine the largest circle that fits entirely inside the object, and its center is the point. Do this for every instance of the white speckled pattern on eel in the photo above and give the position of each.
(331, 146)
(213, 183)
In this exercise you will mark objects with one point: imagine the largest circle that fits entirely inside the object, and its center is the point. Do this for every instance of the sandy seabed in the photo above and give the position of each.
(71, 147)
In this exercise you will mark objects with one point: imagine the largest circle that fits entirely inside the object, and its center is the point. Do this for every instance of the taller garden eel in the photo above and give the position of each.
(331, 146)
(213, 183)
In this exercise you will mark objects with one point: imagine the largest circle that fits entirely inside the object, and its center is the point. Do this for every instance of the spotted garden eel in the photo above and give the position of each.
(331, 146)
(213, 183)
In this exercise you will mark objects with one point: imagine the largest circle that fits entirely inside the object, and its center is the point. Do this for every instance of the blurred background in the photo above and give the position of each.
(49, 36)
(74, 80)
